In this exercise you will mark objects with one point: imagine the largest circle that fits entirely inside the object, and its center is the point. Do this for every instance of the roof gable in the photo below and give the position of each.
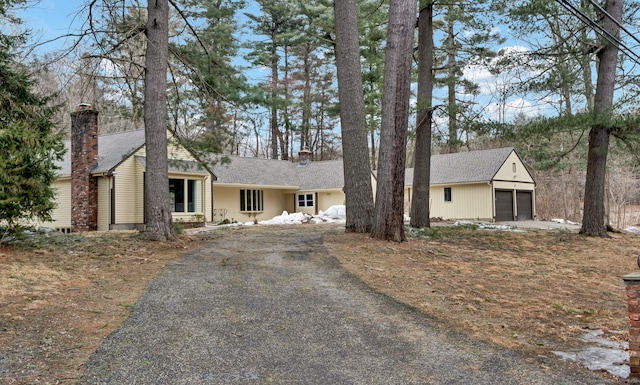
(513, 169)
(112, 149)
(115, 148)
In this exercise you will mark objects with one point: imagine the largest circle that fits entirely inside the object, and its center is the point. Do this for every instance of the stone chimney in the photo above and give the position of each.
(304, 156)
(84, 158)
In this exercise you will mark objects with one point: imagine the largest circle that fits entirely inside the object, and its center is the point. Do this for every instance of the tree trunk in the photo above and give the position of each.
(305, 129)
(273, 119)
(593, 220)
(156, 184)
(357, 173)
(389, 219)
(452, 68)
(420, 216)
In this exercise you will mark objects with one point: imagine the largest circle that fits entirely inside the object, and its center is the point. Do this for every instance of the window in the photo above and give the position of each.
(305, 200)
(186, 195)
(251, 200)
(513, 167)
(447, 194)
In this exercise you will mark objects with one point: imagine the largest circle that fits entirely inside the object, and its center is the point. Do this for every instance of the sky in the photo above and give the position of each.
(49, 19)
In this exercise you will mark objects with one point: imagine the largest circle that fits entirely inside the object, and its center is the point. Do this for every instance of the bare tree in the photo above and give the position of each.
(357, 174)
(157, 206)
(389, 218)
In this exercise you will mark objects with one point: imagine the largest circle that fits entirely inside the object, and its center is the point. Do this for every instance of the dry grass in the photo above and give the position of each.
(534, 290)
(61, 295)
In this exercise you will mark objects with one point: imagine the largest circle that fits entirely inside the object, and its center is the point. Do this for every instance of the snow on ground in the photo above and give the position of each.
(565, 221)
(602, 354)
(632, 229)
(488, 226)
(333, 214)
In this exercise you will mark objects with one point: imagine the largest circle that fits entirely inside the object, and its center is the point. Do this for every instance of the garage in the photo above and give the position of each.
(524, 200)
(504, 205)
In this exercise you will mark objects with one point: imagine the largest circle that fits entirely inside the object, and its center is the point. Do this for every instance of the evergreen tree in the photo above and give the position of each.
(467, 37)
(29, 147)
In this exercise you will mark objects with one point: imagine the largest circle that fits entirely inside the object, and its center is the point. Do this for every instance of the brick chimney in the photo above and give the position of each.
(84, 158)
(304, 156)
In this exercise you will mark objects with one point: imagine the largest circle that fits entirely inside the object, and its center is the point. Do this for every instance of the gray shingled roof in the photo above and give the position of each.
(327, 174)
(464, 167)
(255, 171)
(112, 149)
(268, 172)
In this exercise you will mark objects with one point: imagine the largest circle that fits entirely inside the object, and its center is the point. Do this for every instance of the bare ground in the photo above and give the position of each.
(534, 291)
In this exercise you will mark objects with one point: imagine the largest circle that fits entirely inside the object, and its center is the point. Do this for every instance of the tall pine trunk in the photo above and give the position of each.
(389, 219)
(357, 173)
(593, 219)
(422, 155)
(157, 206)
(452, 69)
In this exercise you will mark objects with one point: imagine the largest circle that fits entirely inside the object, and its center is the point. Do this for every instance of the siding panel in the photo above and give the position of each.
(472, 201)
(61, 215)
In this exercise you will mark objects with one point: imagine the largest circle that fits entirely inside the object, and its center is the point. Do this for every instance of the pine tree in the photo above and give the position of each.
(358, 190)
(29, 147)
(156, 204)
(389, 215)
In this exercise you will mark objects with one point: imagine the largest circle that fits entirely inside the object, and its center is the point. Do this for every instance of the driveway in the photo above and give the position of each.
(266, 305)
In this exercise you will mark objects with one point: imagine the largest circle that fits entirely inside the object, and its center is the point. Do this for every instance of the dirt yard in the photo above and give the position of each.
(535, 291)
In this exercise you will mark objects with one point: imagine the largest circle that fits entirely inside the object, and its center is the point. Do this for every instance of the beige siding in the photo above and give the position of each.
(174, 150)
(468, 201)
(290, 202)
(61, 215)
(327, 199)
(225, 197)
(129, 192)
(104, 203)
(513, 170)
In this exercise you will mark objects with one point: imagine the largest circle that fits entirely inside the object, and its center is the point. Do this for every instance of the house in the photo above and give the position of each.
(487, 185)
(250, 189)
(101, 180)
(101, 183)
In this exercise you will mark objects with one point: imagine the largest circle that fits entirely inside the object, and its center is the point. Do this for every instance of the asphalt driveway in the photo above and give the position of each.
(266, 305)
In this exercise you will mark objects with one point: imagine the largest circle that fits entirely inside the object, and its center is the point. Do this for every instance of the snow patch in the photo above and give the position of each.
(564, 221)
(333, 214)
(603, 354)
(287, 219)
(488, 226)
(338, 212)
(632, 229)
